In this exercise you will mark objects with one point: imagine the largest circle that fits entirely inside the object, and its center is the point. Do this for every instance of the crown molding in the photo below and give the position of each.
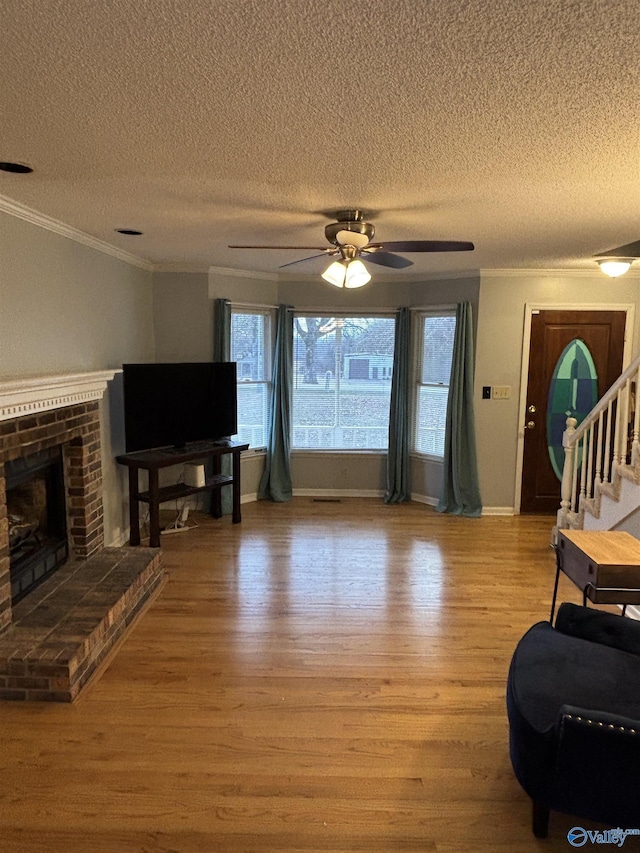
(193, 269)
(235, 273)
(552, 273)
(21, 211)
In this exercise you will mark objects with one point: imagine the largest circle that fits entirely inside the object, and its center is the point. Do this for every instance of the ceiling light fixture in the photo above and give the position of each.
(349, 271)
(346, 273)
(615, 267)
(347, 237)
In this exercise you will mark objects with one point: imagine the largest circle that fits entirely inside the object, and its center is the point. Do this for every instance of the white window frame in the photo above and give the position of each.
(267, 356)
(419, 320)
(337, 314)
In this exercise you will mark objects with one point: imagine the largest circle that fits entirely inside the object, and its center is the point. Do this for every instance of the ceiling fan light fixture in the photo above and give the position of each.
(352, 238)
(336, 273)
(357, 274)
(347, 273)
(615, 267)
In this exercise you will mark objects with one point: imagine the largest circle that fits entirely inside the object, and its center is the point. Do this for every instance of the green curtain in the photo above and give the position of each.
(221, 330)
(460, 489)
(222, 352)
(398, 469)
(276, 480)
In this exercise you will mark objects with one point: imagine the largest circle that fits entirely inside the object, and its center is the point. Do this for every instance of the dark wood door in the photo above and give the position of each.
(551, 331)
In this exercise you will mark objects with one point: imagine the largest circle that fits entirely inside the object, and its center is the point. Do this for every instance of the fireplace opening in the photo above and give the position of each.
(36, 511)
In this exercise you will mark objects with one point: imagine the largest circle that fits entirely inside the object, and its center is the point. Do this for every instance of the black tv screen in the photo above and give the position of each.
(176, 404)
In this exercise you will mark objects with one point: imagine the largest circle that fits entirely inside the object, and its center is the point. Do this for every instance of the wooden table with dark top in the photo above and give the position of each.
(604, 564)
(164, 457)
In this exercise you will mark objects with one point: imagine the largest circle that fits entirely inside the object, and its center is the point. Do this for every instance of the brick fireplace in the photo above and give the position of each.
(76, 431)
(55, 638)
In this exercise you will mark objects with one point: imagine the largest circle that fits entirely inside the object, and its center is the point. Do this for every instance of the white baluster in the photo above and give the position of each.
(574, 477)
(636, 418)
(606, 475)
(616, 433)
(624, 429)
(589, 439)
(621, 427)
(583, 473)
(598, 476)
(567, 474)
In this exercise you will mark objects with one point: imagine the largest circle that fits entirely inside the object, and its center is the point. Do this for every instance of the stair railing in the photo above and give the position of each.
(599, 450)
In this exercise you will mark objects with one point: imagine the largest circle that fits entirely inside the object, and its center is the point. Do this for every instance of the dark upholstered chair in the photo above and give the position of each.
(573, 701)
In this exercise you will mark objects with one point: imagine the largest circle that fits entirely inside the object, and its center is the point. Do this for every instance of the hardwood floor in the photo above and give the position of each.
(322, 677)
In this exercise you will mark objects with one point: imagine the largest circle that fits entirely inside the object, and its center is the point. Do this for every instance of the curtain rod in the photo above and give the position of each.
(445, 306)
(324, 310)
(448, 306)
(249, 305)
(365, 312)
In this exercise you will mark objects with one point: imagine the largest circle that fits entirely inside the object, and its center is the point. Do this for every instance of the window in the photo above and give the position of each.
(342, 370)
(435, 341)
(251, 350)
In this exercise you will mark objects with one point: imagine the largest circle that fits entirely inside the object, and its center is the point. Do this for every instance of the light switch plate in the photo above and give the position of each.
(501, 392)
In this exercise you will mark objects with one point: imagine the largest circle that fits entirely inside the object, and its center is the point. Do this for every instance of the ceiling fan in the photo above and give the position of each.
(351, 239)
(617, 261)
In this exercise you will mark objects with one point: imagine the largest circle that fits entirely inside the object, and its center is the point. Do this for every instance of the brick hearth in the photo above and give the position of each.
(65, 630)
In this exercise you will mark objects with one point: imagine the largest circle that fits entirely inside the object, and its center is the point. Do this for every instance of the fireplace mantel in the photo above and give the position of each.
(19, 397)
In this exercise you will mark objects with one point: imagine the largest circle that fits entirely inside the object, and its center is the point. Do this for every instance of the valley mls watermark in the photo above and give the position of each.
(578, 836)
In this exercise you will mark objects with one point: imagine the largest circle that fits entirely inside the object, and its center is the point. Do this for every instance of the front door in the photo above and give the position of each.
(574, 356)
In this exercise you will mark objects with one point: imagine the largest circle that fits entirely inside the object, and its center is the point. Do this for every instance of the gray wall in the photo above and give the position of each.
(66, 308)
(182, 317)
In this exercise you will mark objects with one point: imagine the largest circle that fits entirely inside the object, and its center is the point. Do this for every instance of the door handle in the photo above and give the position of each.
(532, 410)
(530, 425)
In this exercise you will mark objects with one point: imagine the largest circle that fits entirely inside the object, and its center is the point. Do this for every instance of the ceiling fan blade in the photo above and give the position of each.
(427, 246)
(302, 260)
(629, 250)
(386, 259)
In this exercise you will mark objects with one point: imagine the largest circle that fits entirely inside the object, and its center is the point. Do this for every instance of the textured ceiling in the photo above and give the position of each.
(513, 124)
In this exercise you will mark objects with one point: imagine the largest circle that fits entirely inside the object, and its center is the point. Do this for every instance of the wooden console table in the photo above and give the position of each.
(604, 564)
(153, 460)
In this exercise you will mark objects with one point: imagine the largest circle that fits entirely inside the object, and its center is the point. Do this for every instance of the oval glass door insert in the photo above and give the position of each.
(573, 392)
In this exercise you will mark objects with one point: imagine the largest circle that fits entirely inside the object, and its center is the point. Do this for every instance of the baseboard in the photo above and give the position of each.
(487, 510)
(337, 493)
(425, 499)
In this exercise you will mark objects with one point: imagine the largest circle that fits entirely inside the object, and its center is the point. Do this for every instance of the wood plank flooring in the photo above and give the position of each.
(321, 677)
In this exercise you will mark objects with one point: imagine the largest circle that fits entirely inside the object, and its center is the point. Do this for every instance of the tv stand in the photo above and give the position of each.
(164, 457)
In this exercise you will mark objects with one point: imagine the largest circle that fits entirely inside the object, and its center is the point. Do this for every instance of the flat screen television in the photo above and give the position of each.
(177, 404)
